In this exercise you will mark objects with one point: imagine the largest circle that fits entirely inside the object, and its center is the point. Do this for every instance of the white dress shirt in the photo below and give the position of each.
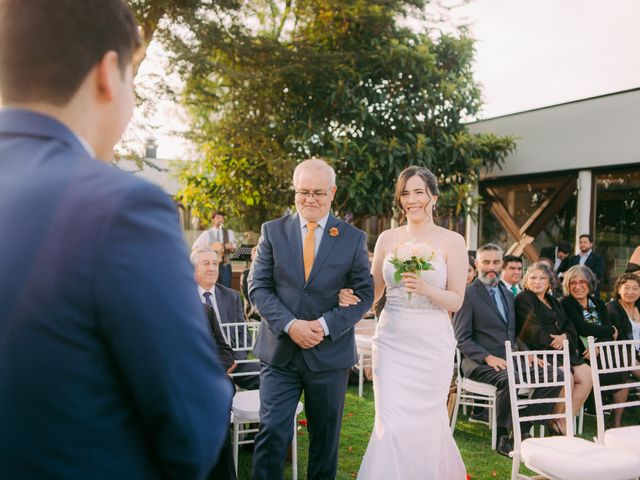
(510, 287)
(322, 223)
(203, 299)
(583, 257)
(214, 235)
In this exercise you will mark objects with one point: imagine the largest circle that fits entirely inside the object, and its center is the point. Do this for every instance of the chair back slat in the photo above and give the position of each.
(609, 358)
(241, 337)
(520, 376)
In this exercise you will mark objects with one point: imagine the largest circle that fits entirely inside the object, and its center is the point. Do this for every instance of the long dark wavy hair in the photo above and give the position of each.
(427, 176)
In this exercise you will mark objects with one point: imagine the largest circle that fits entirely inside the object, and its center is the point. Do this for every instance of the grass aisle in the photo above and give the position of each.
(474, 441)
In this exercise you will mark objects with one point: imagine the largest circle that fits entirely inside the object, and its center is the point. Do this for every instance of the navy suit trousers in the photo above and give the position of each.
(280, 391)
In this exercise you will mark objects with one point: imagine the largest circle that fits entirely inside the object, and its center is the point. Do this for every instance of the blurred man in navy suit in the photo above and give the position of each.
(107, 366)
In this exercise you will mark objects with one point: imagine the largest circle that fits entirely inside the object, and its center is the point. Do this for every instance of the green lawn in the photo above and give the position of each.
(474, 441)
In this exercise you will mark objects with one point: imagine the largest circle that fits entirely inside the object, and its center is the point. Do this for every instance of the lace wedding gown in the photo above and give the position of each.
(413, 352)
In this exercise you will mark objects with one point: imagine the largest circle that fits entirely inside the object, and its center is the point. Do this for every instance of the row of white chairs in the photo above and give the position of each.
(613, 455)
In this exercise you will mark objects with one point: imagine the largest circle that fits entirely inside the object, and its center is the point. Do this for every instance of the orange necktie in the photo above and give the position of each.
(309, 248)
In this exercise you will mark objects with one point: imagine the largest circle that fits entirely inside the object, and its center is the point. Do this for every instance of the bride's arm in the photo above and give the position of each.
(457, 261)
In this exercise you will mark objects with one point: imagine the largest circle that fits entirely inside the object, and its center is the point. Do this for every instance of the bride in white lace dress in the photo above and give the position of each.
(414, 344)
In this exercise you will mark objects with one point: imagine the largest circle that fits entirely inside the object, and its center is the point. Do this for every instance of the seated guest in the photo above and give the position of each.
(483, 324)
(634, 262)
(512, 273)
(590, 318)
(624, 308)
(471, 270)
(556, 282)
(543, 325)
(227, 306)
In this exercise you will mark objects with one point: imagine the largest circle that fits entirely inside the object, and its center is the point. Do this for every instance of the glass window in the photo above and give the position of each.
(617, 220)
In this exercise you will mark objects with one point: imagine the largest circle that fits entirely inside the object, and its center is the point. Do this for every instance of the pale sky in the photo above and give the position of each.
(530, 54)
(533, 54)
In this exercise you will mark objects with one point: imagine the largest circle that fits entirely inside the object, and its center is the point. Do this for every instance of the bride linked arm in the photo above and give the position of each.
(452, 297)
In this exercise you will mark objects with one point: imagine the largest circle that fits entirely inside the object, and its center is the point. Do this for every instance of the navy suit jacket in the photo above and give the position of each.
(107, 367)
(280, 293)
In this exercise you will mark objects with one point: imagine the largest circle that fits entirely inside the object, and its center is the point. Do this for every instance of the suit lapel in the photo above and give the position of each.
(326, 245)
(224, 315)
(292, 231)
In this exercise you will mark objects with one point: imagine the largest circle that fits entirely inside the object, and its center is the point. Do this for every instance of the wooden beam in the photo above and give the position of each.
(552, 205)
(523, 241)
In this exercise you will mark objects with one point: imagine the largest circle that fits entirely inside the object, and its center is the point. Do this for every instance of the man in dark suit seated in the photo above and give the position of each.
(483, 324)
(227, 306)
(589, 258)
(107, 368)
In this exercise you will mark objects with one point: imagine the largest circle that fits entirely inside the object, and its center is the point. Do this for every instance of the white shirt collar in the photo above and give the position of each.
(586, 254)
(201, 291)
(321, 223)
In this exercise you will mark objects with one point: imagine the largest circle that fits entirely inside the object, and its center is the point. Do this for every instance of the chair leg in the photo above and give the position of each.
(515, 466)
(294, 453)
(454, 415)
(360, 374)
(581, 420)
(236, 439)
(494, 423)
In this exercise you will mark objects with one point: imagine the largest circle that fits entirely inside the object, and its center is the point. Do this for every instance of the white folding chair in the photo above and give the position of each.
(474, 394)
(558, 458)
(615, 357)
(241, 336)
(364, 331)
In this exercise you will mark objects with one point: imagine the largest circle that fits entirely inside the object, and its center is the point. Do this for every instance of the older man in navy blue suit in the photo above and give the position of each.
(306, 342)
(107, 367)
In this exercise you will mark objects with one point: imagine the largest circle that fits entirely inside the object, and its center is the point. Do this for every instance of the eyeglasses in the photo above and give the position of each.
(319, 194)
(575, 283)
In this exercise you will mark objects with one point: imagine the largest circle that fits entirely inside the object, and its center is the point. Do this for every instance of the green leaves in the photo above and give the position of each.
(339, 79)
(414, 265)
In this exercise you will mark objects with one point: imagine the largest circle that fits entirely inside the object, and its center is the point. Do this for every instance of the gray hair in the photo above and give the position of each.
(317, 164)
(579, 271)
(543, 267)
(489, 247)
(195, 254)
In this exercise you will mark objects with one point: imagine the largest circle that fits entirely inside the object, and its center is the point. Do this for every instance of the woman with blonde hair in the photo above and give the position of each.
(543, 325)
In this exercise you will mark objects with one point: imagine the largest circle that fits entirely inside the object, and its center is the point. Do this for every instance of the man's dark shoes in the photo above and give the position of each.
(504, 446)
(479, 416)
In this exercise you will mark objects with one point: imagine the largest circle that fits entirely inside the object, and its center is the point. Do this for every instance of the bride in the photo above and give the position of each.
(414, 344)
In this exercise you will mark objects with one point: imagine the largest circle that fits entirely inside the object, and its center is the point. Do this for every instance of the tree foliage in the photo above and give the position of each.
(277, 82)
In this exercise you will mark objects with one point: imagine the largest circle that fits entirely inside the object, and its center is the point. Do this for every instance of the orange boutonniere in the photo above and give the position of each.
(333, 231)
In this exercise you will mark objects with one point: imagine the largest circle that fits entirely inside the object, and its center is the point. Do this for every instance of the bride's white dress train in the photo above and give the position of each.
(413, 352)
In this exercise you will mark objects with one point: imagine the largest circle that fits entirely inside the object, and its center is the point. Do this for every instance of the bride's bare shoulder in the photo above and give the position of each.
(390, 235)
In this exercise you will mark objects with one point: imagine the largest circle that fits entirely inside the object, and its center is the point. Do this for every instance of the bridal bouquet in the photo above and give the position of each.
(411, 257)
